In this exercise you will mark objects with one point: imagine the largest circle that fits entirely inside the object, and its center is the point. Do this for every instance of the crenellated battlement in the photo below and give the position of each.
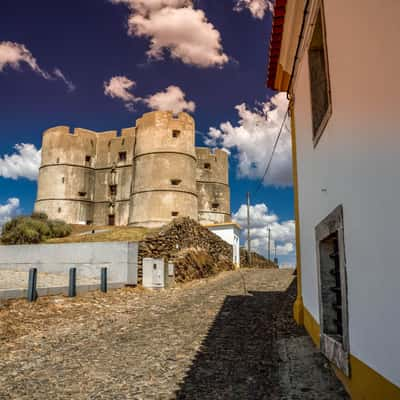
(205, 153)
(141, 175)
(166, 120)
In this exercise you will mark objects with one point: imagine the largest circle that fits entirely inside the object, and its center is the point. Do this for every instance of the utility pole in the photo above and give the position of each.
(248, 229)
(269, 243)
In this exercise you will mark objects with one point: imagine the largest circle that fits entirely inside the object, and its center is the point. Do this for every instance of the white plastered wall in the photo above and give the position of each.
(357, 164)
(231, 235)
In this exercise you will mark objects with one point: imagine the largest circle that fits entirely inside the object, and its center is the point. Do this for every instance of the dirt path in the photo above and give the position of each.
(231, 337)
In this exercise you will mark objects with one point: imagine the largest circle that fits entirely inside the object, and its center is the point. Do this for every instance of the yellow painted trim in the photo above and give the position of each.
(312, 327)
(298, 308)
(282, 79)
(364, 383)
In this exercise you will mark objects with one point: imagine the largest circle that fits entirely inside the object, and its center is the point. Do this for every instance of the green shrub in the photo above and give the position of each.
(21, 234)
(39, 215)
(34, 229)
(59, 228)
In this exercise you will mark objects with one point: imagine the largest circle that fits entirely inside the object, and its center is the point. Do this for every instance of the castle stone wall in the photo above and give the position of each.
(145, 175)
(164, 184)
(213, 186)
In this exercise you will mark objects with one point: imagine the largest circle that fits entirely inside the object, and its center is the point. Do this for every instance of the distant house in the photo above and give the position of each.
(339, 62)
(230, 232)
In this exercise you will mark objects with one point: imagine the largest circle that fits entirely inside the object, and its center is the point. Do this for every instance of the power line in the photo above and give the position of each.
(273, 151)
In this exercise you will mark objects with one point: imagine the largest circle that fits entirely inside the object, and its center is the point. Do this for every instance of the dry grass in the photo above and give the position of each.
(110, 234)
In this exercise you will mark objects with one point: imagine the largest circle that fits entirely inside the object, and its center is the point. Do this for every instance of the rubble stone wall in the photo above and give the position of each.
(195, 251)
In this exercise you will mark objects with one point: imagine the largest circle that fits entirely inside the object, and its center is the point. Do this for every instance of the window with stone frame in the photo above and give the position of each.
(332, 285)
(122, 156)
(321, 104)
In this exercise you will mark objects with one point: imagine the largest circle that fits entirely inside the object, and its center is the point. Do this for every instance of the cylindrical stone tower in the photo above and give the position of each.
(213, 186)
(164, 184)
(66, 176)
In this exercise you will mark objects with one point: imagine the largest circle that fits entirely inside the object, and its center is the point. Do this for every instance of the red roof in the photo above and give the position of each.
(276, 41)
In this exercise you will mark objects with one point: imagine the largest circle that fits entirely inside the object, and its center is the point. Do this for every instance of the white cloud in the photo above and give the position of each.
(120, 87)
(171, 99)
(253, 139)
(282, 233)
(8, 210)
(24, 163)
(257, 8)
(70, 86)
(175, 26)
(12, 55)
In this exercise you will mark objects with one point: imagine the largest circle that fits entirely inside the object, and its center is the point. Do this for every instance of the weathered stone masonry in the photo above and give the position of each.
(146, 176)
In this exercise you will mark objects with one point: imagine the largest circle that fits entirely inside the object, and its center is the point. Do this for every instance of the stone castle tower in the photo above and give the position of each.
(146, 176)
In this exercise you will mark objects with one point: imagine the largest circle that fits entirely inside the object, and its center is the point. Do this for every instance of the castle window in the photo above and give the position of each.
(215, 205)
(207, 165)
(62, 180)
(319, 78)
(58, 160)
(175, 133)
(82, 194)
(91, 142)
(332, 289)
(174, 213)
(88, 159)
(113, 190)
(111, 220)
(59, 209)
(122, 156)
(109, 144)
(175, 182)
(123, 142)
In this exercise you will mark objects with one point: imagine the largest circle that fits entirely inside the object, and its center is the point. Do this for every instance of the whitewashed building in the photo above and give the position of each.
(339, 61)
(230, 232)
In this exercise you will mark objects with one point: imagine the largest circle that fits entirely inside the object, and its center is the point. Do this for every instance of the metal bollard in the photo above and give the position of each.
(103, 284)
(72, 282)
(32, 293)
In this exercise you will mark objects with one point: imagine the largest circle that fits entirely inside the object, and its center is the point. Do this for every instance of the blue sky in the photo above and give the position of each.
(89, 42)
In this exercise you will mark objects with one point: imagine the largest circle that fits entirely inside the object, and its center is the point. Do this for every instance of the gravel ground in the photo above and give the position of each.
(19, 280)
(228, 337)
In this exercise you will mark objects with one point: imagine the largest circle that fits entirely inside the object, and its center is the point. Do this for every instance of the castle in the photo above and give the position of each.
(145, 176)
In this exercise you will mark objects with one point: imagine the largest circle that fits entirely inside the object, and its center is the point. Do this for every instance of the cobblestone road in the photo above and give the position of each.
(230, 337)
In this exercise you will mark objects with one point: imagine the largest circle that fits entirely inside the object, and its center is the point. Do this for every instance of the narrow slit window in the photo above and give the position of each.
(207, 165)
(174, 213)
(215, 205)
(175, 182)
(58, 160)
(319, 78)
(113, 190)
(82, 193)
(122, 156)
(59, 209)
(123, 142)
(176, 133)
(88, 160)
(62, 180)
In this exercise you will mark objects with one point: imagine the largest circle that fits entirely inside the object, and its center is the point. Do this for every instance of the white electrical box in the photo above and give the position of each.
(171, 275)
(155, 273)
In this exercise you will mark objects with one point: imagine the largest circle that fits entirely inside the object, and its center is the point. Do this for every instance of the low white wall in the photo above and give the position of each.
(120, 258)
(231, 235)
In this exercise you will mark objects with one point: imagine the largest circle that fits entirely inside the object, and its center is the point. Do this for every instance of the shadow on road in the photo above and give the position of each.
(239, 357)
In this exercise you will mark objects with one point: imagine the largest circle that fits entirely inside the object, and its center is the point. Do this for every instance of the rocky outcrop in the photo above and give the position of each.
(195, 251)
(257, 260)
